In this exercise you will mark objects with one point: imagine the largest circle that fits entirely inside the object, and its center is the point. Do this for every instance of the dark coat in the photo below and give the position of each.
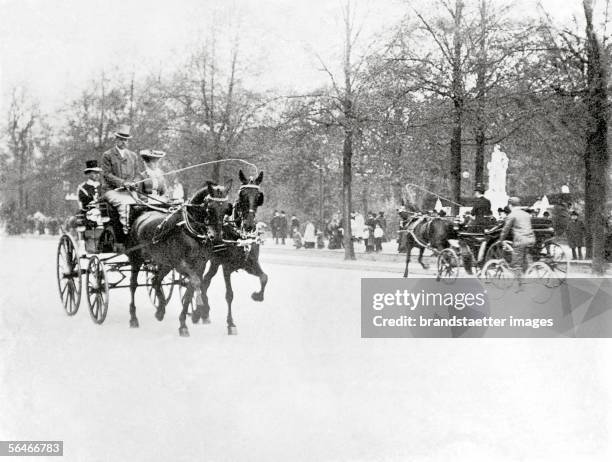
(88, 193)
(575, 233)
(482, 207)
(117, 170)
(282, 227)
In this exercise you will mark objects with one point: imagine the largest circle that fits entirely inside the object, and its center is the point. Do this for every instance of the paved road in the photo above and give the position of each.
(297, 383)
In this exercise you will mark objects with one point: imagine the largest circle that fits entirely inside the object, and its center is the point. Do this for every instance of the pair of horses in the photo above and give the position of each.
(190, 237)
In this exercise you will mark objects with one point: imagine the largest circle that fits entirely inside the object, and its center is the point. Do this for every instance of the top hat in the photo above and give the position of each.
(150, 154)
(91, 166)
(123, 132)
(479, 187)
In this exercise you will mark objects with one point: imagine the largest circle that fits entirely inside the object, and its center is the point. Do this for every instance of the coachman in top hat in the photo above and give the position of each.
(89, 191)
(120, 168)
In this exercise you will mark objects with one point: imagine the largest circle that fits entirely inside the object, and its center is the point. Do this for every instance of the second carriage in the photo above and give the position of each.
(472, 247)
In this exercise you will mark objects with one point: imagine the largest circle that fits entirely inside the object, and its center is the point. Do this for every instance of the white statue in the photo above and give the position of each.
(497, 170)
(497, 179)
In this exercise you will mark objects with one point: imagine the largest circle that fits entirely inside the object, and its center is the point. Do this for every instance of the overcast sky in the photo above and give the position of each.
(55, 47)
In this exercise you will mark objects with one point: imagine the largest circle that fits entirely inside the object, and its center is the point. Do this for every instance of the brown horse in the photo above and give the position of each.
(427, 233)
(182, 241)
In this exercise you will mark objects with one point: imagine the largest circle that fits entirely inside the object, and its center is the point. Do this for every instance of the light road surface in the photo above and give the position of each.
(297, 383)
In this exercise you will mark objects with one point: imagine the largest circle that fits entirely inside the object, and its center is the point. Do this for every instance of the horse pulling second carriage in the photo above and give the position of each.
(166, 247)
(471, 247)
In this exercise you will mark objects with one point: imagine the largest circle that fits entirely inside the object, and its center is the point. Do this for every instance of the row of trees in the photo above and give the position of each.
(419, 105)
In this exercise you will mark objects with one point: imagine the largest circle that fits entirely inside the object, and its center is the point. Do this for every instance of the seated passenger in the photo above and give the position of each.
(153, 183)
(89, 191)
(120, 168)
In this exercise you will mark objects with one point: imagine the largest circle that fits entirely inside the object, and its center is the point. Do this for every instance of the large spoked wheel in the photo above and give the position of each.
(498, 273)
(500, 250)
(68, 274)
(448, 266)
(97, 290)
(555, 257)
(167, 286)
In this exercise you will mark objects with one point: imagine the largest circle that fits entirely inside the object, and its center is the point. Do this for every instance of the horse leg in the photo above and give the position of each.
(229, 297)
(194, 285)
(254, 268)
(183, 331)
(159, 293)
(424, 265)
(204, 313)
(408, 251)
(133, 284)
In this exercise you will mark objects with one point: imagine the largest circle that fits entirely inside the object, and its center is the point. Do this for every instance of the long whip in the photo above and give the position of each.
(432, 193)
(202, 164)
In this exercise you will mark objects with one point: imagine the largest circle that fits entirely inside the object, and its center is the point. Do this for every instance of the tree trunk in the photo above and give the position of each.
(457, 91)
(480, 96)
(349, 127)
(347, 155)
(596, 152)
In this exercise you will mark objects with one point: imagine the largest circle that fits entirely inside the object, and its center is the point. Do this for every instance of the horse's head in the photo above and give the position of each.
(213, 206)
(250, 198)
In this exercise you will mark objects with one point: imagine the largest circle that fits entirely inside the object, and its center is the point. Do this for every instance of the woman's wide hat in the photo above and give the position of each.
(123, 132)
(91, 166)
(150, 154)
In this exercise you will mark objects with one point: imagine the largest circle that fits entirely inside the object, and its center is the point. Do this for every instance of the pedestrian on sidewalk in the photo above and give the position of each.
(282, 229)
(575, 235)
(379, 235)
(297, 238)
(309, 236)
(274, 226)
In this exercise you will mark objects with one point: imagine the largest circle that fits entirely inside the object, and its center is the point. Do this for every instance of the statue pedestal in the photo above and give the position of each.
(498, 200)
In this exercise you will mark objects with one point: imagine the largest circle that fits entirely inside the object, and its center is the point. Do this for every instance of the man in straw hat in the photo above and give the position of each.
(519, 222)
(89, 190)
(120, 168)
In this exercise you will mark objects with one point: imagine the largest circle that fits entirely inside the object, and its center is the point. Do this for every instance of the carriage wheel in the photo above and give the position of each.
(497, 272)
(97, 290)
(448, 266)
(540, 272)
(68, 274)
(167, 285)
(555, 257)
(500, 250)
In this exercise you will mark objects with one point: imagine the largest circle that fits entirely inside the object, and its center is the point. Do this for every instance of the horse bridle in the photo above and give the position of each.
(249, 186)
(206, 223)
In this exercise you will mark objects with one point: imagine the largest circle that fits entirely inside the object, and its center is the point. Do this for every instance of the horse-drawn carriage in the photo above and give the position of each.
(96, 251)
(100, 257)
(471, 246)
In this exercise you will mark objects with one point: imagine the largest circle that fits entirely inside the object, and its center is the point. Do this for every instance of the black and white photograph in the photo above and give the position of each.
(306, 230)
